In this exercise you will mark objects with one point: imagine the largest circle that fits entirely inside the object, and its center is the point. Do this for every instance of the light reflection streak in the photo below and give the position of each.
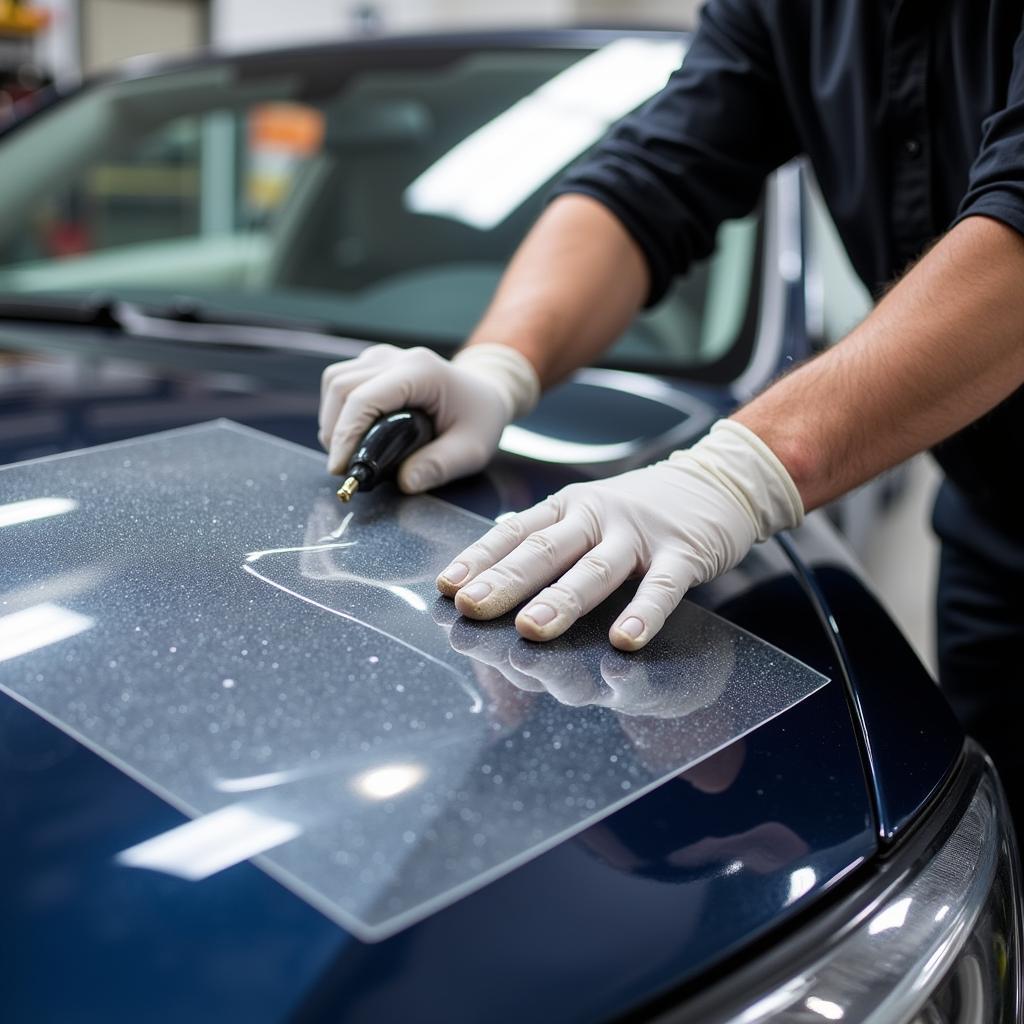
(15, 512)
(824, 1007)
(255, 556)
(38, 626)
(801, 881)
(772, 1003)
(410, 597)
(336, 533)
(477, 700)
(267, 780)
(209, 844)
(490, 172)
(519, 441)
(892, 917)
(939, 959)
(389, 780)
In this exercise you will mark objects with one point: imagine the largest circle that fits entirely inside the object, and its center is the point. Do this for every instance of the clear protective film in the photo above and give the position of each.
(198, 608)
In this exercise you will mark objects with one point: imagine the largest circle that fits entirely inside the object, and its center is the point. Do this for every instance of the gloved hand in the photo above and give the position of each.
(471, 399)
(680, 522)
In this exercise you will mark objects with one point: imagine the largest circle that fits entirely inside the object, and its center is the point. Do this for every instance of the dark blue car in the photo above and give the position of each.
(769, 815)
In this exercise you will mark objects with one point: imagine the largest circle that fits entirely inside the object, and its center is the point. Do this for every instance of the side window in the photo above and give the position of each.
(702, 313)
(196, 183)
(146, 192)
(836, 297)
(143, 192)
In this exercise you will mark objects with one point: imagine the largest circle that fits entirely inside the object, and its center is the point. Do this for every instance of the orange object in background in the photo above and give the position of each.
(281, 137)
(19, 78)
(19, 18)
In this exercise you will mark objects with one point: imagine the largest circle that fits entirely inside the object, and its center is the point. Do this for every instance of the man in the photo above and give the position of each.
(912, 114)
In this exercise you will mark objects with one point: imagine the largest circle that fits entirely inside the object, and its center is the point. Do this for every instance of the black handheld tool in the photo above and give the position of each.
(384, 447)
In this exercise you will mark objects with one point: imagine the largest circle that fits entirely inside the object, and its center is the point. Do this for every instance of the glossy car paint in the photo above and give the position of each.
(911, 737)
(633, 906)
(647, 901)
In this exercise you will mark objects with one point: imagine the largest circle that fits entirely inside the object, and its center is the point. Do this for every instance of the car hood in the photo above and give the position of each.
(649, 898)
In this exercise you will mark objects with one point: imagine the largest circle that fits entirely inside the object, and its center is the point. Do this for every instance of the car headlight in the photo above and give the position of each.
(941, 945)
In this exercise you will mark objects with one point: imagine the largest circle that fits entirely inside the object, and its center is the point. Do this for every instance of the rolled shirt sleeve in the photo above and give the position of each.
(996, 183)
(697, 153)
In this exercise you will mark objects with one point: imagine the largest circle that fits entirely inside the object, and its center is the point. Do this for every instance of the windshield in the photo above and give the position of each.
(380, 192)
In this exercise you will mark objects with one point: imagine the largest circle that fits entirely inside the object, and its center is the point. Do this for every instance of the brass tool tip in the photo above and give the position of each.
(348, 488)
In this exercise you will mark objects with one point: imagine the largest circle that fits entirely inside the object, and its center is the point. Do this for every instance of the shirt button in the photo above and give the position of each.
(912, 147)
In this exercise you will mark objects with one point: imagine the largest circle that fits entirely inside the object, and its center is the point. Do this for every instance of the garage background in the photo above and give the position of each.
(90, 35)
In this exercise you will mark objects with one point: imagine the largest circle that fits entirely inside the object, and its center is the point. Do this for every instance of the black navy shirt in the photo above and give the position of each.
(911, 113)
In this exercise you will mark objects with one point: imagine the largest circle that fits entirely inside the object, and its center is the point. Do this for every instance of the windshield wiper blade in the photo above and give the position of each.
(88, 311)
(184, 322)
(187, 310)
(193, 324)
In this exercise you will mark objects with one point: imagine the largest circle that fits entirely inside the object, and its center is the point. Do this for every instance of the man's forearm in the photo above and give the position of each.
(572, 288)
(944, 346)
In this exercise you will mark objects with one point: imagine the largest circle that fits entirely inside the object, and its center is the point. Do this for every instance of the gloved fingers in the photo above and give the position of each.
(334, 395)
(495, 544)
(383, 393)
(371, 355)
(586, 584)
(542, 556)
(363, 365)
(455, 453)
(658, 595)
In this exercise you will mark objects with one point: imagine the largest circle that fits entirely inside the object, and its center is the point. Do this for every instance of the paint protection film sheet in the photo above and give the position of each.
(199, 609)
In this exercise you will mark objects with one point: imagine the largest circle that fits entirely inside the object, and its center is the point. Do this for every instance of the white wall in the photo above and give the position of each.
(654, 13)
(256, 23)
(113, 30)
(57, 48)
(241, 24)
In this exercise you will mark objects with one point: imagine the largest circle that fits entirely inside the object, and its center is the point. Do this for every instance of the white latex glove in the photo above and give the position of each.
(679, 522)
(471, 399)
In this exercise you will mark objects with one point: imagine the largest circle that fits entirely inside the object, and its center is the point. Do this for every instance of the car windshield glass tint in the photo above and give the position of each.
(381, 194)
(198, 608)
